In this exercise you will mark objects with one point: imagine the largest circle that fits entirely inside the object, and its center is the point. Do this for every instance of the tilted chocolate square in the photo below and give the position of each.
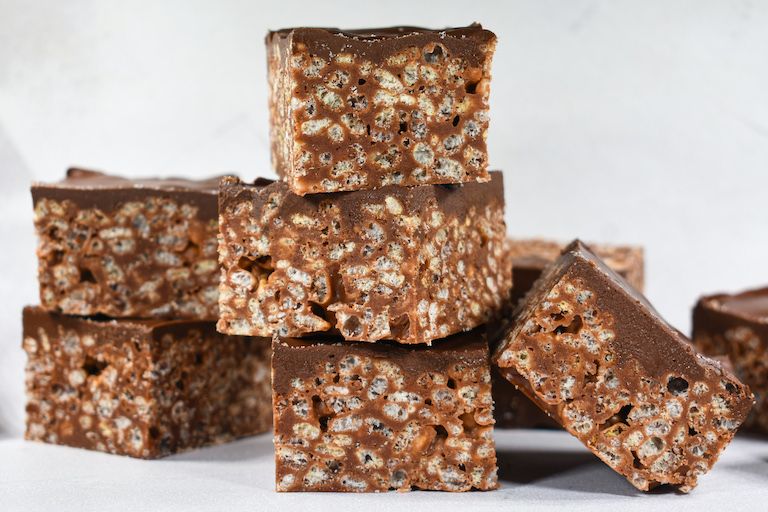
(411, 264)
(736, 326)
(361, 109)
(592, 352)
(369, 417)
(142, 388)
(128, 248)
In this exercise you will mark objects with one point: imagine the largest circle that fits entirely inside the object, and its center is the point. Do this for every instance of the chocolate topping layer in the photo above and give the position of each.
(414, 199)
(113, 330)
(752, 304)
(466, 348)
(379, 43)
(80, 186)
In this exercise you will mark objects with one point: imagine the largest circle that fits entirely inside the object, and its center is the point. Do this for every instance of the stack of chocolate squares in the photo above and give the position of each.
(123, 353)
(380, 247)
(374, 270)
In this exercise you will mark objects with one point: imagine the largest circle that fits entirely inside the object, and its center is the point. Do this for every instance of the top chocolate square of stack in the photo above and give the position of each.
(361, 109)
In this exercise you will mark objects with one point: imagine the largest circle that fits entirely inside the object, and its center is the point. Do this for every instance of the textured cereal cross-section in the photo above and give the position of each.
(362, 109)
(591, 351)
(373, 417)
(142, 388)
(411, 264)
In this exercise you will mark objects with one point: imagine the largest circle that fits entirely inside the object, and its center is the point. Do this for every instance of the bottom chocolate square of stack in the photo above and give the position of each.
(143, 388)
(377, 417)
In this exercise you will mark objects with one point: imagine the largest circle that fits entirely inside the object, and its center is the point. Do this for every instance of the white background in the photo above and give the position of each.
(625, 122)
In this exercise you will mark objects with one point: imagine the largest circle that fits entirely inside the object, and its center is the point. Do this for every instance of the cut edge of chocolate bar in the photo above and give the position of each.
(358, 271)
(128, 248)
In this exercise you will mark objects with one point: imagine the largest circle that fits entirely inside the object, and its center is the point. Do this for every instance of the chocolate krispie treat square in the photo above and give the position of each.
(411, 264)
(736, 326)
(592, 352)
(365, 417)
(362, 109)
(128, 248)
(142, 388)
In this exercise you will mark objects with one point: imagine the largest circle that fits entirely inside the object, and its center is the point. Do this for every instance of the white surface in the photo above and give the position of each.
(539, 471)
(615, 121)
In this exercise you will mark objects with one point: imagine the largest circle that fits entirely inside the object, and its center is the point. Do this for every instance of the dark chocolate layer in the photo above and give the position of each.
(379, 43)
